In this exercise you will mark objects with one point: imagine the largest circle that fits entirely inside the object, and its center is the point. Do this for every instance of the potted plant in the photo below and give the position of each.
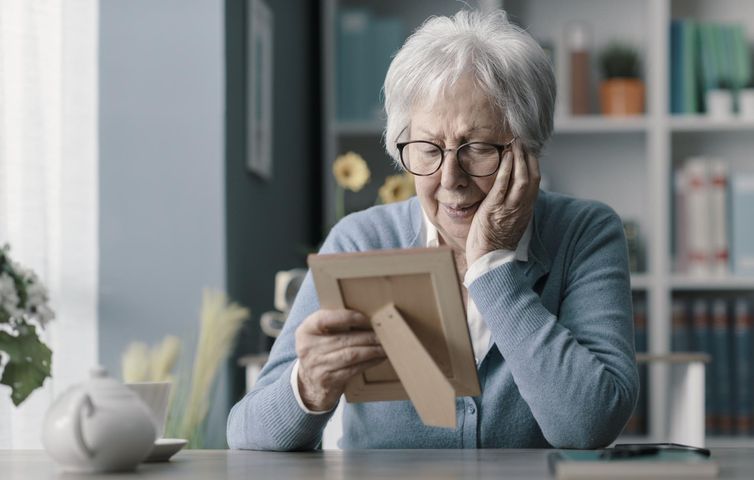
(25, 361)
(622, 91)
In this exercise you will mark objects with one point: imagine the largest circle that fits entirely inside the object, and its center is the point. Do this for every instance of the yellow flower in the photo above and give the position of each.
(351, 171)
(397, 188)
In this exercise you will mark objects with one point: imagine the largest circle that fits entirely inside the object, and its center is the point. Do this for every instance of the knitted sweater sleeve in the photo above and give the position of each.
(576, 368)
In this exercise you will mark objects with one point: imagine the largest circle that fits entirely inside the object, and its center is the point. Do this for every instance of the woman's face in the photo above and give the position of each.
(450, 197)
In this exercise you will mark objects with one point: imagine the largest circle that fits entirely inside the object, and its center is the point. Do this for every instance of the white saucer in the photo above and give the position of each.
(164, 448)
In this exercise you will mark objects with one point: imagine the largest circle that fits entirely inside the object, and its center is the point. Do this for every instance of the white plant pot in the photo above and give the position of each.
(746, 103)
(719, 104)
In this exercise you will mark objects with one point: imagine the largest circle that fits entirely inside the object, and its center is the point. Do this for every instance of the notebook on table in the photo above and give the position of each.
(579, 464)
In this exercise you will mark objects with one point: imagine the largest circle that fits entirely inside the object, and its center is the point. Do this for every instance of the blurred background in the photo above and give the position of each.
(152, 149)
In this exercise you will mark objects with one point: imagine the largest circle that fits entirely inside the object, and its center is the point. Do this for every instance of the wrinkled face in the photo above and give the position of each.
(450, 197)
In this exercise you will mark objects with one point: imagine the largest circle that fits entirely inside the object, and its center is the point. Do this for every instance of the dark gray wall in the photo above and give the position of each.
(271, 224)
(162, 170)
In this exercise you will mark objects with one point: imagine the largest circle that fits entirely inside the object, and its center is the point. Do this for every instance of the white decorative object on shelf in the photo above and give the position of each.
(746, 103)
(686, 400)
(719, 104)
(287, 284)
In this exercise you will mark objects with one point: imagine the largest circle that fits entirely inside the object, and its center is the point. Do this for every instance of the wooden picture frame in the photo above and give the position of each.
(413, 299)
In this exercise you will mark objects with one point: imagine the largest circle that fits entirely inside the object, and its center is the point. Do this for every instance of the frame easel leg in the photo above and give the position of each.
(429, 390)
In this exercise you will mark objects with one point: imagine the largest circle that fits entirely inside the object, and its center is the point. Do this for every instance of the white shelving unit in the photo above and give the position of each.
(626, 162)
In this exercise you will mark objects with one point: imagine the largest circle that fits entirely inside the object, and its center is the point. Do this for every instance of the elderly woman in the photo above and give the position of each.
(469, 103)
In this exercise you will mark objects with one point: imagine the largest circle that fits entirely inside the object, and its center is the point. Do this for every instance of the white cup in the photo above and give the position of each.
(156, 396)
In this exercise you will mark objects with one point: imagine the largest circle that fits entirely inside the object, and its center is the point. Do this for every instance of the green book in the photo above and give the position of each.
(588, 464)
(688, 60)
(741, 61)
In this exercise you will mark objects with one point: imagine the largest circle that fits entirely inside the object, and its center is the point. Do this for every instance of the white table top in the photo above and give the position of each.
(359, 464)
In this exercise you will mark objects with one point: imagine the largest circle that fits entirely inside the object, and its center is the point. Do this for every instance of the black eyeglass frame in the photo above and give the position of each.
(501, 147)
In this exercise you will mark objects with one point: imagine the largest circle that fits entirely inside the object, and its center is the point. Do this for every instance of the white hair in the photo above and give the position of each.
(505, 61)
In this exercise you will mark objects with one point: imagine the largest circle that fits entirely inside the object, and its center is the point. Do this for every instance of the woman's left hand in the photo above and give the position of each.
(504, 214)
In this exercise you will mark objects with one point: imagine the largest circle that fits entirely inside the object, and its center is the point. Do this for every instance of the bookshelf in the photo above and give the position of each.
(587, 153)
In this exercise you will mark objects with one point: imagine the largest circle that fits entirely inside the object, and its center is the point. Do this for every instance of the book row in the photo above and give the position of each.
(722, 327)
(714, 234)
(365, 45)
(705, 56)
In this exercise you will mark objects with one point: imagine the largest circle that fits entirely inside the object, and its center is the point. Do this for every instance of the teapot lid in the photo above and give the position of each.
(100, 383)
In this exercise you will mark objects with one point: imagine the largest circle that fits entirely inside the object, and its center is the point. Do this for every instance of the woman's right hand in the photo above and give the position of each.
(333, 346)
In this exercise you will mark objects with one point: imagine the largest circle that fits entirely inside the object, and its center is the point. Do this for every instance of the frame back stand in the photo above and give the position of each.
(431, 393)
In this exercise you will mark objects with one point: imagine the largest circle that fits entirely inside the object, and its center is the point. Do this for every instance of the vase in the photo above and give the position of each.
(622, 96)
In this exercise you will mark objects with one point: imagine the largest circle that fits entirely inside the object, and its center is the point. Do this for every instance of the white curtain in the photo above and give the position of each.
(48, 183)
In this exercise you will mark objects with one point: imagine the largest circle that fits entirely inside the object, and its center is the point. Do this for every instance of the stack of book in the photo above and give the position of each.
(366, 44)
(705, 56)
(713, 231)
(723, 328)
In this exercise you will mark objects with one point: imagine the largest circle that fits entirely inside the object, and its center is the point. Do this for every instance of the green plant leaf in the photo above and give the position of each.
(619, 60)
(28, 362)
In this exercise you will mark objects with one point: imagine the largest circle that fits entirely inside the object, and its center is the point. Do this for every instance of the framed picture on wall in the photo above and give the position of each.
(259, 89)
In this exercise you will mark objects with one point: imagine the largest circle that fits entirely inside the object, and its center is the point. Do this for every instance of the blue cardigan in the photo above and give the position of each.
(560, 371)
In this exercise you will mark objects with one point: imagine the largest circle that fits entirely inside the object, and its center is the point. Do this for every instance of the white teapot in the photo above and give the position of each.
(98, 426)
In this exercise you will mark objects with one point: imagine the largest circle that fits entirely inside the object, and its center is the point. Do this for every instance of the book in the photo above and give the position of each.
(681, 338)
(702, 217)
(708, 72)
(743, 319)
(680, 228)
(702, 333)
(386, 37)
(697, 221)
(741, 61)
(721, 367)
(353, 64)
(742, 203)
(588, 464)
(718, 211)
(688, 61)
(676, 68)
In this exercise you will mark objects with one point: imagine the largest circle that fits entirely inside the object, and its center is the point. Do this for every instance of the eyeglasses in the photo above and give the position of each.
(476, 159)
